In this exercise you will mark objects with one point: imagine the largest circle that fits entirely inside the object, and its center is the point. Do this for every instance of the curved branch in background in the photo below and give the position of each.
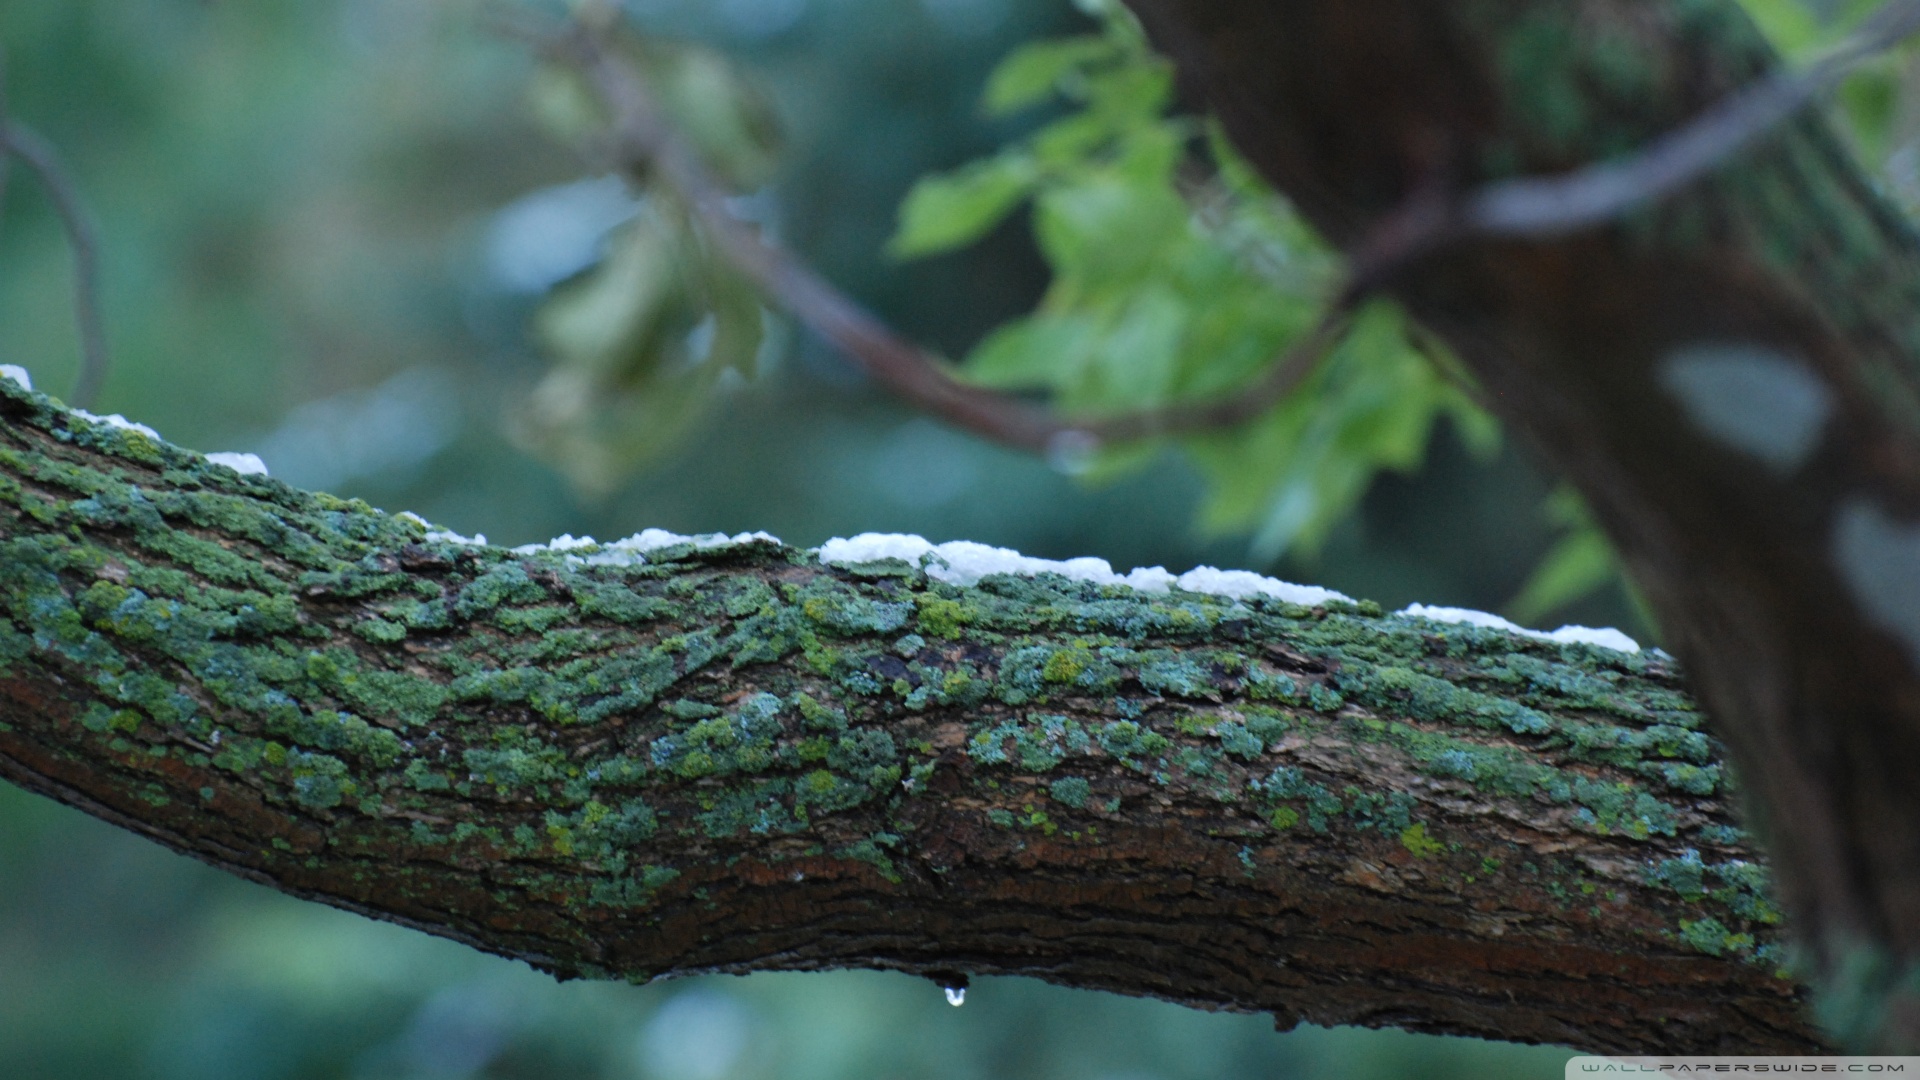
(643, 761)
(1548, 206)
(19, 141)
(643, 141)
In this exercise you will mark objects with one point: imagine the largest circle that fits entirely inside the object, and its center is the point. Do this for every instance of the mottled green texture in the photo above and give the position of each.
(614, 742)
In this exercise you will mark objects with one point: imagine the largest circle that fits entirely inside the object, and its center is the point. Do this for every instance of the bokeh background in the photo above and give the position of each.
(324, 224)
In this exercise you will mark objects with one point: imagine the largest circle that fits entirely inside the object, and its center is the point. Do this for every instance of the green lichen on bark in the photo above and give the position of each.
(526, 750)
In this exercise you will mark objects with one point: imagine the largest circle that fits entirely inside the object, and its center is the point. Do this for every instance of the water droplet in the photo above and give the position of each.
(956, 996)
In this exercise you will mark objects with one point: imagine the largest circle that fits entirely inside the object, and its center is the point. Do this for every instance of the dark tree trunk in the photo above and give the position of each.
(738, 759)
(1729, 377)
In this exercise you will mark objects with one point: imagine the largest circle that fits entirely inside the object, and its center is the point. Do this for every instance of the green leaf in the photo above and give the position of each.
(1032, 353)
(599, 445)
(709, 101)
(1239, 175)
(611, 321)
(1580, 564)
(1137, 92)
(739, 323)
(1031, 73)
(1262, 469)
(1239, 328)
(1065, 146)
(638, 346)
(955, 209)
(1108, 229)
(1291, 475)
(1871, 102)
(564, 105)
(1139, 358)
(1478, 429)
(1149, 154)
(1119, 23)
(1175, 281)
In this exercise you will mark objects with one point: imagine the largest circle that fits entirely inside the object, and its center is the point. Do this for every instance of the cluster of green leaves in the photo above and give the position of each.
(640, 343)
(1179, 276)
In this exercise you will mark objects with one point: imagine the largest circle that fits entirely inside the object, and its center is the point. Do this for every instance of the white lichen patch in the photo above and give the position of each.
(437, 535)
(1241, 584)
(567, 542)
(448, 536)
(1879, 559)
(1753, 398)
(116, 420)
(17, 374)
(244, 464)
(585, 550)
(963, 562)
(1607, 638)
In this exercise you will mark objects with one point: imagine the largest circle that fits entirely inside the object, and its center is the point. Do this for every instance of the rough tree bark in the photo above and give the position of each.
(736, 759)
(1729, 377)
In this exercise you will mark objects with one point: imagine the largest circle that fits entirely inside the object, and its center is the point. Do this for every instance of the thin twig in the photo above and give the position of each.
(17, 140)
(1596, 194)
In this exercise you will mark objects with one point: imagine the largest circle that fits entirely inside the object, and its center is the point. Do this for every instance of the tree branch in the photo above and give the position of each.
(737, 759)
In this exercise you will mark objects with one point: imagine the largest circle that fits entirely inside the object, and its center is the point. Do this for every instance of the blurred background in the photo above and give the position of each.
(327, 228)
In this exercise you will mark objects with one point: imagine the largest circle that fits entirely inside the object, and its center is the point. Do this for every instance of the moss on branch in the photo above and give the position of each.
(734, 758)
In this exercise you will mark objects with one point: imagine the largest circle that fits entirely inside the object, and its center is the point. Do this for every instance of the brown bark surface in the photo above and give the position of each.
(736, 759)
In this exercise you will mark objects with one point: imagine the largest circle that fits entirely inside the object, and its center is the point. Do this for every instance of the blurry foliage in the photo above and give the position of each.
(1580, 562)
(1178, 275)
(641, 342)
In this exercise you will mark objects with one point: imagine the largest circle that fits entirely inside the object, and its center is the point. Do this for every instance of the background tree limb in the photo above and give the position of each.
(1778, 550)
